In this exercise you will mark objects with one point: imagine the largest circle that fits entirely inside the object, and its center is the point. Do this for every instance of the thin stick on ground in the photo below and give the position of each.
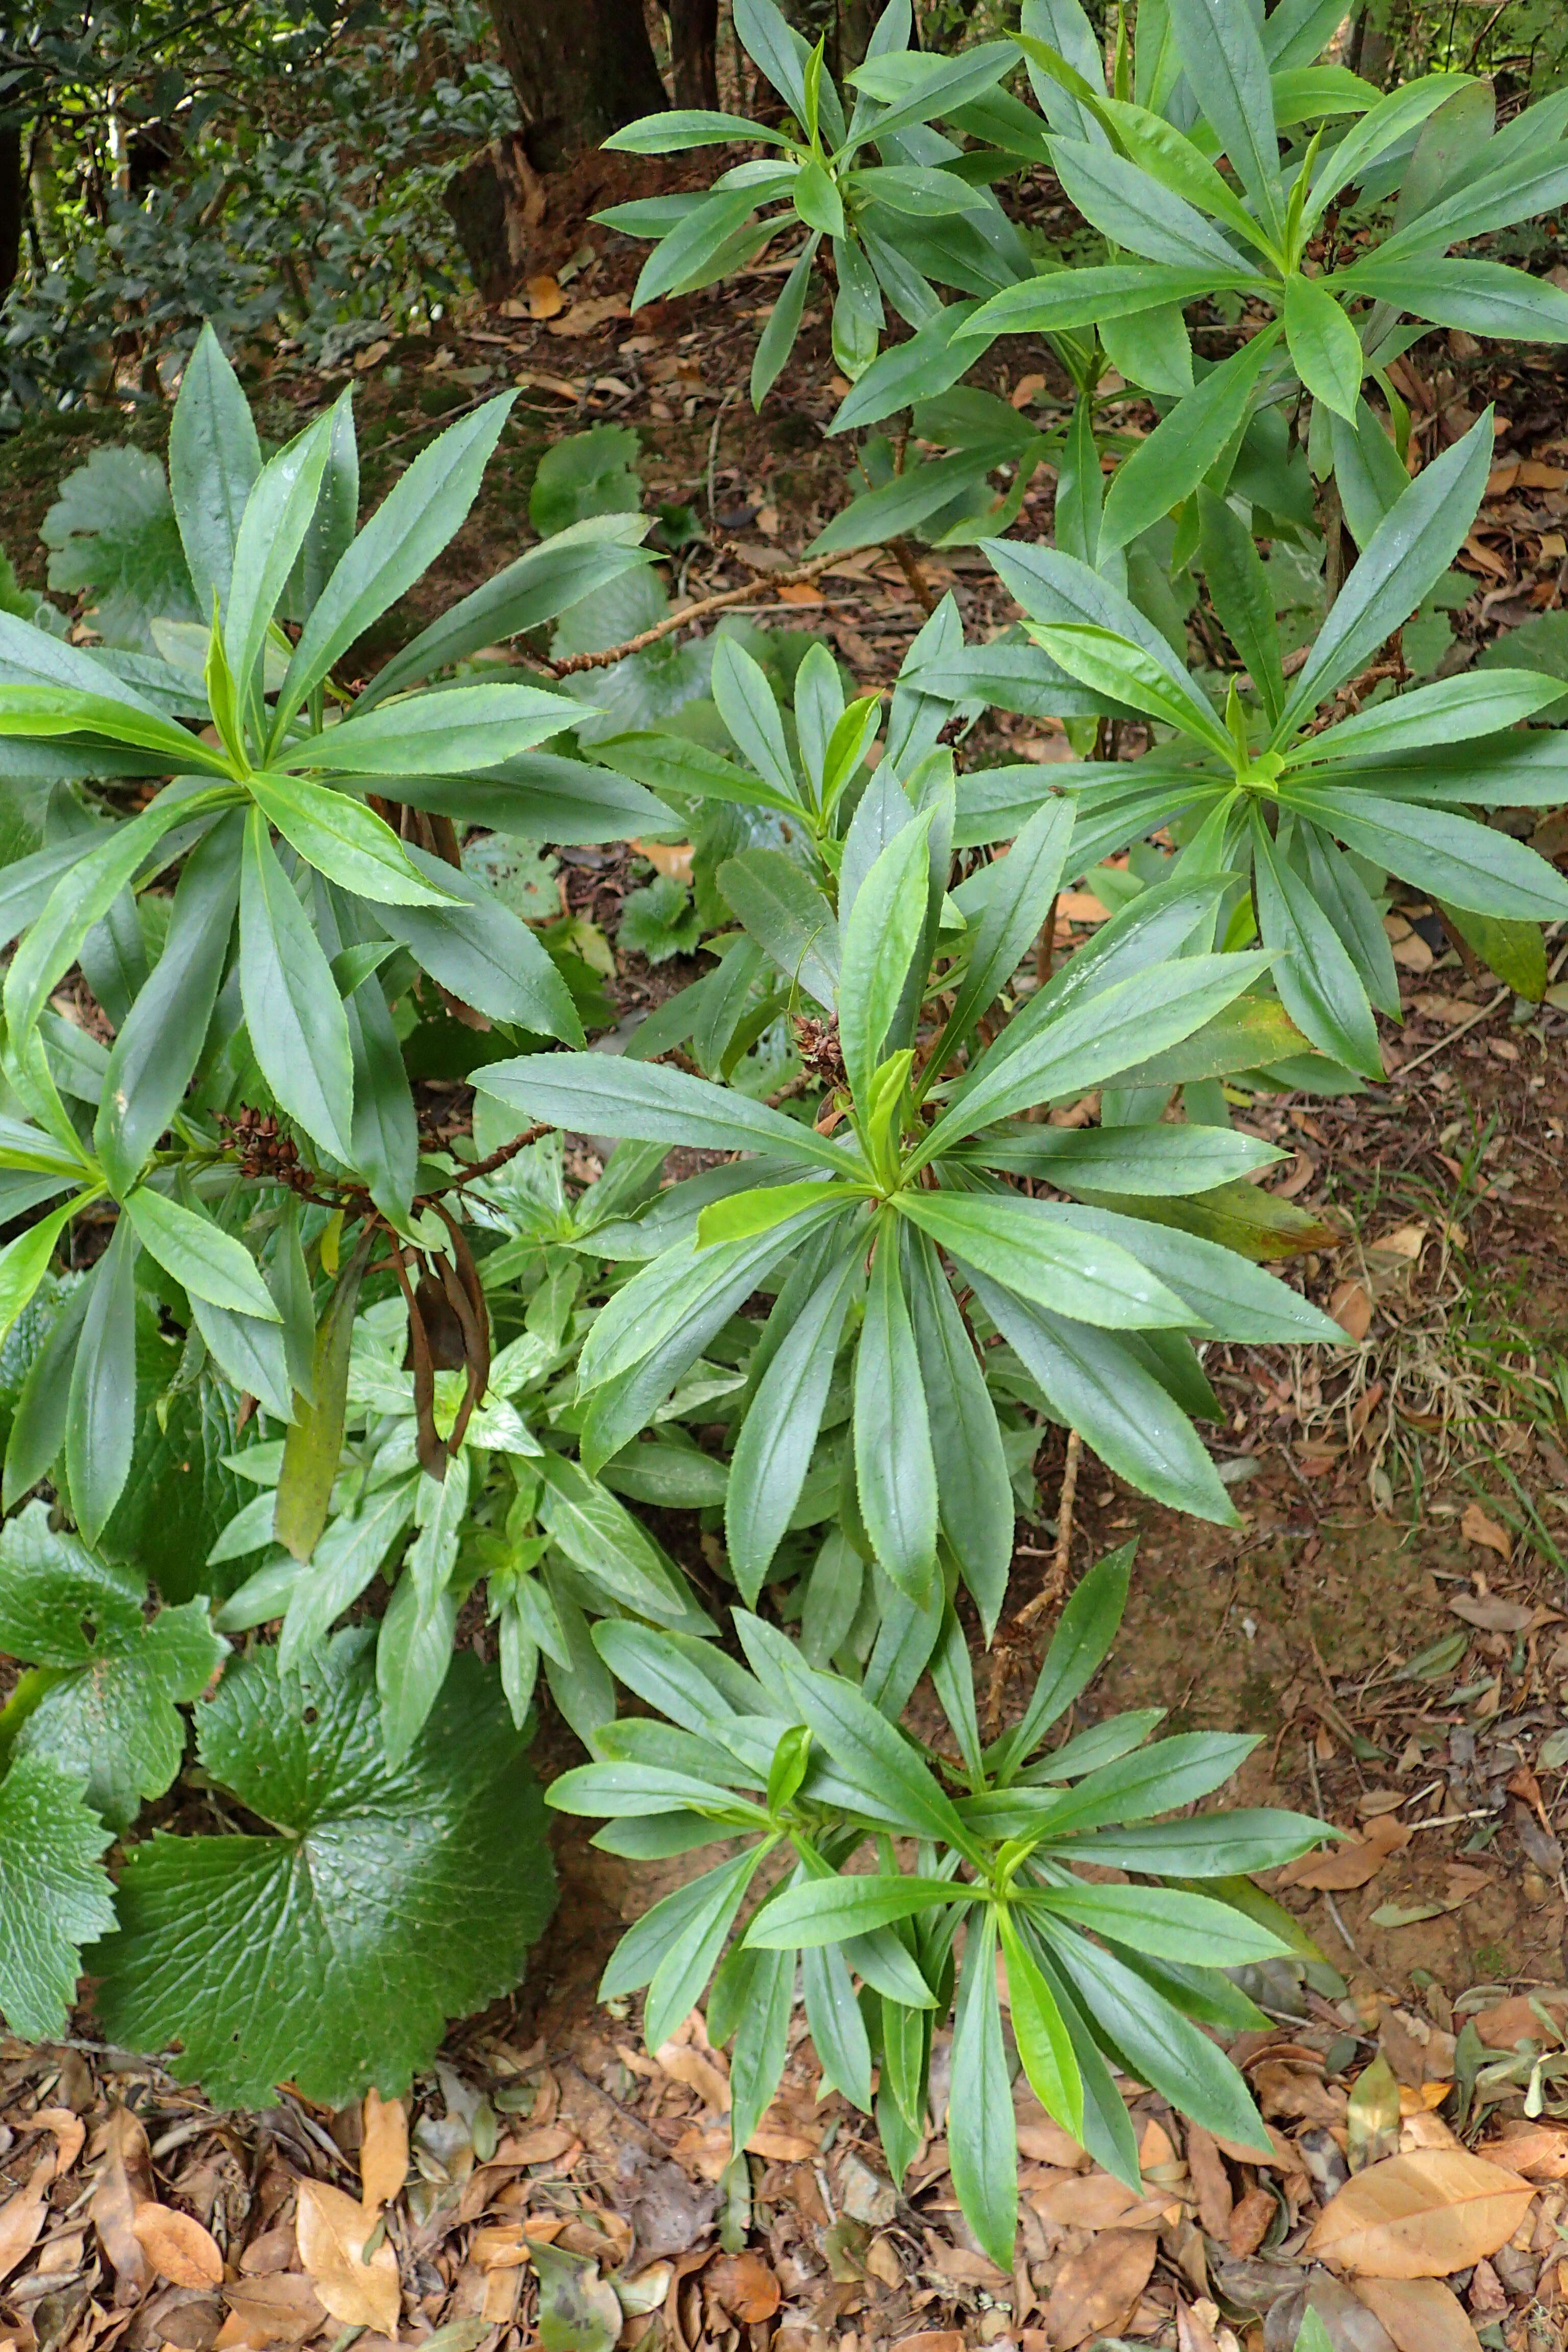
(1050, 1593)
(690, 612)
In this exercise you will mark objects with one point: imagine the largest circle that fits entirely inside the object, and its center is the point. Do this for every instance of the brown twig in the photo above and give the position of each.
(913, 575)
(690, 612)
(1055, 1585)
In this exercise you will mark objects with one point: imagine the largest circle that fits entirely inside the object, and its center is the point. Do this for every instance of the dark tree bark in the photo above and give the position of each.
(693, 45)
(581, 69)
(13, 204)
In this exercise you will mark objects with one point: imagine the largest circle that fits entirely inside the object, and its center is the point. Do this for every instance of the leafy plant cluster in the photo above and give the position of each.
(286, 172)
(284, 1351)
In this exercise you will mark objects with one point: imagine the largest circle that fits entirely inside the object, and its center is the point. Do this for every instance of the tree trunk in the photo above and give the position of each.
(581, 69)
(693, 51)
(13, 200)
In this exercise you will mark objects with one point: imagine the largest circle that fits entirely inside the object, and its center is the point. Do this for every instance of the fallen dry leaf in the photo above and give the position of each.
(1097, 2292)
(1449, 1010)
(281, 2310)
(745, 2285)
(69, 2132)
(384, 2151)
(540, 2146)
(1477, 1528)
(125, 2182)
(1047, 2142)
(1249, 2222)
(1211, 2181)
(1351, 1306)
(1421, 2314)
(331, 2231)
(177, 2246)
(699, 2072)
(1538, 2152)
(22, 2219)
(1194, 2331)
(671, 857)
(1089, 2200)
(1350, 1865)
(1420, 2216)
(1509, 2022)
(933, 2339)
(1299, 2092)
(1489, 1610)
(587, 318)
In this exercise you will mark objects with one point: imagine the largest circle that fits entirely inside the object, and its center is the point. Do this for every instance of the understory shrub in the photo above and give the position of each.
(308, 1388)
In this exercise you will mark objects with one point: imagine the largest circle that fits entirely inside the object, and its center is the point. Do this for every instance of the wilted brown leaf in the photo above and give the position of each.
(177, 2246)
(384, 2151)
(331, 2229)
(745, 2285)
(1096, 2292)
(1420, 2216)
(1421, 2314)
(1477, 1526)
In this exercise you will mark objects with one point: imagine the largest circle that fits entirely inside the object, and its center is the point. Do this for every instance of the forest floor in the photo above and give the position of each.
(1390, 1617)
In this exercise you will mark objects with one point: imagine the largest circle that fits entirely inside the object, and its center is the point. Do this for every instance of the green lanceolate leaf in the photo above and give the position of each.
(982, 2139)
(54, 1894)
(895, 1472)
(208, 1263)
(313, 1443)
(1180, 451)
(1080, 1645)
(213, 459)
(292, 1008)
(402, 538)
(879, 938)
(1319, 985)
(773, 1451)
(1411, 549)
(159, 1042)
(345, 840)
(973, 1491)
(107, 1715)
(1324, 346)
(589, 1093)
(1045, 2045)
(276, 516)
(311, 1955)
(101, 1414)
